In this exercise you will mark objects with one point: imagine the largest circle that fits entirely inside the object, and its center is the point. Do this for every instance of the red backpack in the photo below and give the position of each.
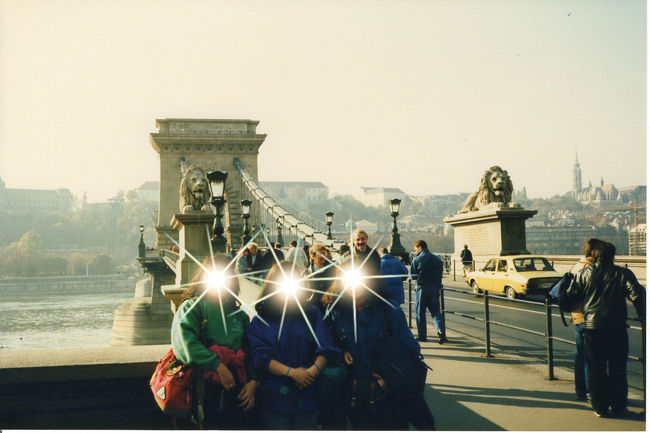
(172, 382)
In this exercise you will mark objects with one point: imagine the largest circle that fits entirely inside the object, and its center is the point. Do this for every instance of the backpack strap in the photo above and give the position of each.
(199, 382)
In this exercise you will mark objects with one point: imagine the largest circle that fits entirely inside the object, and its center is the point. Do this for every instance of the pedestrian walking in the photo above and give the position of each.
(426, 270)
(467, 259)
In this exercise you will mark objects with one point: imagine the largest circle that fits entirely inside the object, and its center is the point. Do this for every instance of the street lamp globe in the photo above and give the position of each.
(394, 206)
(329, 216)
(246, 208)
(217, 183)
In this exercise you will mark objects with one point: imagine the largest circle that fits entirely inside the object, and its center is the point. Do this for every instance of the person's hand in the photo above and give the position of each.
(247, 395)
(380, 381)
(347, 357)
(301, 377)
(225, 376)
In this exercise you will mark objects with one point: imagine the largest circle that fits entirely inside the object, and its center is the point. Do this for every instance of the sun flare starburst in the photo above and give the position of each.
(353, 280)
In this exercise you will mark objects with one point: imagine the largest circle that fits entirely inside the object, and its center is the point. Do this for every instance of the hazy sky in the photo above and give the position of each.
(420, 95)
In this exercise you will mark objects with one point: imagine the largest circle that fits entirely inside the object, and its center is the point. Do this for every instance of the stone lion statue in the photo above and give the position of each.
(194, 192)
(495, 191)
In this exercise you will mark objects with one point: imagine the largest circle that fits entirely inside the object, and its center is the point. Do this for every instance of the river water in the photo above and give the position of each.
(50, 319)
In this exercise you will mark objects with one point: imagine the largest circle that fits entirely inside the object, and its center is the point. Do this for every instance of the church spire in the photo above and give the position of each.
(577, 176)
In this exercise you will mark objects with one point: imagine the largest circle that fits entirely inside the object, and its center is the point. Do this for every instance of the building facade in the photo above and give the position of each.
(637, 240)
(35, 200)
(378, 196)
(570, 240)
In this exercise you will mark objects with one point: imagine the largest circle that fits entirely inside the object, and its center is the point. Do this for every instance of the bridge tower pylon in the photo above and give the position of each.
(212, 144)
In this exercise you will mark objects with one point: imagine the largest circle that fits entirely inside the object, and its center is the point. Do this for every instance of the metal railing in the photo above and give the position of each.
(548, 312)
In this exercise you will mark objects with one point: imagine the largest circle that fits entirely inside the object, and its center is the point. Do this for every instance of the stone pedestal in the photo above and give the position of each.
(147, 318)
(194, 231)
(490, 232)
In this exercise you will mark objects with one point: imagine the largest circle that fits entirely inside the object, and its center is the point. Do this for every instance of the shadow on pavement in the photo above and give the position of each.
(451, 414)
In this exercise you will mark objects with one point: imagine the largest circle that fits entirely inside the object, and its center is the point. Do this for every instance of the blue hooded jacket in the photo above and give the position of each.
(390, 265)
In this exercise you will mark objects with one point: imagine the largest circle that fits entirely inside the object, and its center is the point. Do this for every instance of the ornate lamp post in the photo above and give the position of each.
(329, 216)
(141, 247)
(279, 238)
(396, 249)
(217, 182)
(246, 213)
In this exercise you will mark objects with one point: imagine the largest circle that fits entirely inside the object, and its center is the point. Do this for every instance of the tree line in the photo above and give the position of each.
(94, 240)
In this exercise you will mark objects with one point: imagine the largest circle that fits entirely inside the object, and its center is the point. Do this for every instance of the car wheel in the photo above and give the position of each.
(510, 293)
(475, 288)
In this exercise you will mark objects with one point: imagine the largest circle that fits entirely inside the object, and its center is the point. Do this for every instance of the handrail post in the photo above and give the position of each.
(454, 269)
(442, 310)
(410, 303)
(643, 357)
(549, 337)
(486, 302)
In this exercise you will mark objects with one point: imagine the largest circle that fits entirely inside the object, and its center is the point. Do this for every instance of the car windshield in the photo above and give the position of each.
(530, 264)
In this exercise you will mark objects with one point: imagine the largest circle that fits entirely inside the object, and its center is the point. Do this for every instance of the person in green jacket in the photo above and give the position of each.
(209, 334)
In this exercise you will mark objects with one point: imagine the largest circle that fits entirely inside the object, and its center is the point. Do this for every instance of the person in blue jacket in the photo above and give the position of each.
(426, 269)
(286, 355)
(362, 325)
(394, 284)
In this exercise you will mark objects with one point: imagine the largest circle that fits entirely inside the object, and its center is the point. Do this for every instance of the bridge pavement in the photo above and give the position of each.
(467, 391)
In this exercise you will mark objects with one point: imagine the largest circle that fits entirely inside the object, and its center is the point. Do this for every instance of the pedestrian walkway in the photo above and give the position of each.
(468, 391)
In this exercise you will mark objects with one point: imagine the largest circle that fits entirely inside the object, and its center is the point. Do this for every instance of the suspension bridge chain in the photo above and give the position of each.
(301, 214)
(278, 212)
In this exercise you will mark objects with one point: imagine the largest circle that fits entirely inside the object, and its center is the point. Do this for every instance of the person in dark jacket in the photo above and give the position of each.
(258, 263)
(602, 290)
(426, 269)
(287, 356)
(467, 259)
(363, 326)
(580, 372)
(365, 261)
(277, 249)
(395, 274)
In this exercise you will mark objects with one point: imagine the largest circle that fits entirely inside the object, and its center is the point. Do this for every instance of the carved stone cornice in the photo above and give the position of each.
(226, 143)
(155, 265)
